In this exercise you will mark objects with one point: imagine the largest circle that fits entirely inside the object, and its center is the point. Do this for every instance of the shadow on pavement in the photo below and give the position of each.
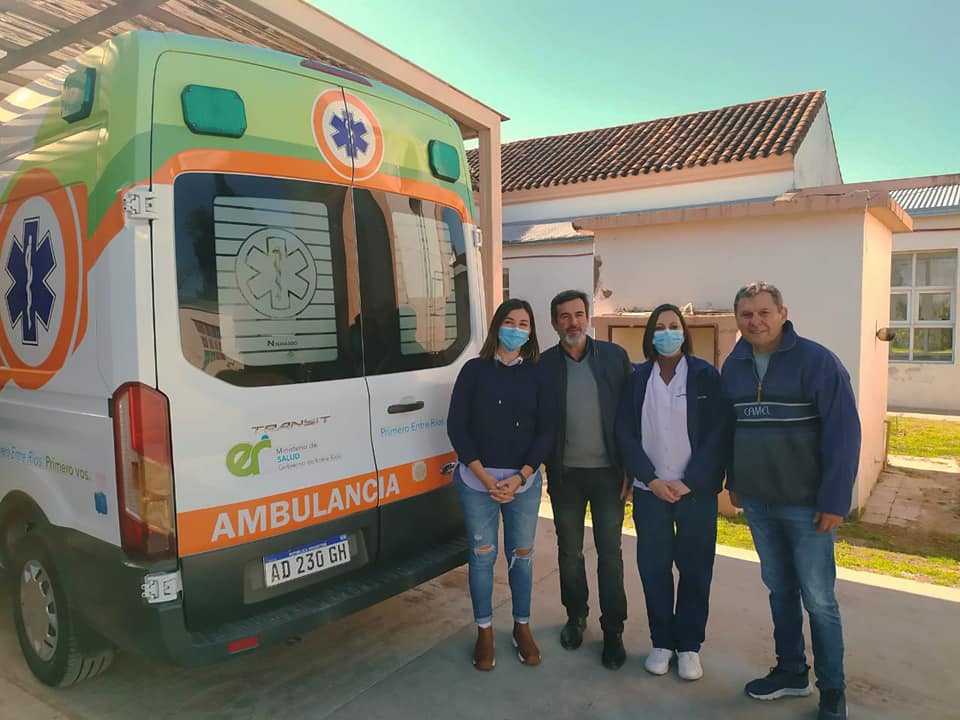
(410, 658)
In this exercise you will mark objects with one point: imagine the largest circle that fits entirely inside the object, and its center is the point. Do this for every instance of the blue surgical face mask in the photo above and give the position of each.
(512, 338)
(667, 342)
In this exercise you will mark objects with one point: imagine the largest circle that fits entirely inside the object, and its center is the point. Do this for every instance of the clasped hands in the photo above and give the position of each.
(668, 490)
(503, 491)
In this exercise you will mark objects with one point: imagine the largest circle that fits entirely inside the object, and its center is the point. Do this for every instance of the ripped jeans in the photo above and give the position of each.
(482, 516)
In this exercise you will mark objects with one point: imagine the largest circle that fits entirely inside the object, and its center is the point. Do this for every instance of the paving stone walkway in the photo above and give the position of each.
(917, 493)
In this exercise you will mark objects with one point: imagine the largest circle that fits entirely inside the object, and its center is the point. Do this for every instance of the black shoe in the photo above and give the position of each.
(572, 634)
(833, 705)
(614, 656)
(779, 683)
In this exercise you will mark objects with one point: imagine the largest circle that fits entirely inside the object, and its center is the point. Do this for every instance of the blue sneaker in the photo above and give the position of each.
(833, 705)
(780, 683)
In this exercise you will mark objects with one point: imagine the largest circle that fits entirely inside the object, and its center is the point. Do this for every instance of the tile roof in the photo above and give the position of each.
(935, 200)
(751, 130)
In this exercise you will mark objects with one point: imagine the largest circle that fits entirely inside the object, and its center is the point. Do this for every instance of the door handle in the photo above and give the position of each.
(405, 407)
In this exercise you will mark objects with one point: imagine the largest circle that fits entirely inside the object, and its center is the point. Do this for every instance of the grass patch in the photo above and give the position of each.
(924, 438)
(938, 571)
(899, 540)
(929, 558)
(932, 559)
(734, 532)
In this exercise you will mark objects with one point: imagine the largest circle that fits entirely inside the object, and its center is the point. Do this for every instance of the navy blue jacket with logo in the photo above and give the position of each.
(707, 427)
(797, 434)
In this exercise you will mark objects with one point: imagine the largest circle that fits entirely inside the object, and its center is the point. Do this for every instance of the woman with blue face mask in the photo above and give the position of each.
(501, 426)
(672, 430)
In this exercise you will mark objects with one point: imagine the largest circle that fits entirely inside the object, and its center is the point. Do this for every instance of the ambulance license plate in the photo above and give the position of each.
(306, 560)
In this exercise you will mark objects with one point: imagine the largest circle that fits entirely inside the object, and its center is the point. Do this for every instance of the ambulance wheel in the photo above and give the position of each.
(45, 625)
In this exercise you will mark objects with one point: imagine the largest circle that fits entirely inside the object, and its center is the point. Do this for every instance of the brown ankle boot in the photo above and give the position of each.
(483, 658)
(527, 650)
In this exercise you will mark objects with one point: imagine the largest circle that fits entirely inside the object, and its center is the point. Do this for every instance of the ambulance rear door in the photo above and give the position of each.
(258, 348)
(416, 256)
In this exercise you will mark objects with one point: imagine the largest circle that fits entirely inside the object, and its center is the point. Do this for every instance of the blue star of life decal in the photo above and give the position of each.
(30, 299)
(349, 133)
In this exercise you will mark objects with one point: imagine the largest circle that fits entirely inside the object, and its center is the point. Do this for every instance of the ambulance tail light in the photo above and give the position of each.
(141, 430)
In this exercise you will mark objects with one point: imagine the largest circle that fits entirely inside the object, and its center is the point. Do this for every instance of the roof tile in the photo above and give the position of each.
(752, 130)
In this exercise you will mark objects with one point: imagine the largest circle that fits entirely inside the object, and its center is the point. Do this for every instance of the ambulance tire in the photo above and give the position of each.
(46, 628)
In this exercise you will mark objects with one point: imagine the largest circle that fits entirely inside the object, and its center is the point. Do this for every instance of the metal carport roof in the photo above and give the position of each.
(37, 36)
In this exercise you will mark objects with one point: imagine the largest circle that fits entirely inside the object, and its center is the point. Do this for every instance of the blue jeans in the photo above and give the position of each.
(682, 533)
(601, 488)
(797, 564)
(481, 514)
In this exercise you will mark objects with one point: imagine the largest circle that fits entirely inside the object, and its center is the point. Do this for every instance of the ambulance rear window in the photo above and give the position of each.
(285, 281)
(264, 289)
(413, 281)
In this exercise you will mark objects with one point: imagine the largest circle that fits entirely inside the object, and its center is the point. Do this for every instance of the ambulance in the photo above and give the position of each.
(236, 287)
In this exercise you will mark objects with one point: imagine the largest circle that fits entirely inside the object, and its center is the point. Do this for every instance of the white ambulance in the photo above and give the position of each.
(237, 287)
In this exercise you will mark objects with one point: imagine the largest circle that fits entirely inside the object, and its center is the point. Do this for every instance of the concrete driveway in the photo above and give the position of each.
(409, 658)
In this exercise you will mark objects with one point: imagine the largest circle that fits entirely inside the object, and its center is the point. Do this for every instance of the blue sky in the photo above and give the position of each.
(558, 66)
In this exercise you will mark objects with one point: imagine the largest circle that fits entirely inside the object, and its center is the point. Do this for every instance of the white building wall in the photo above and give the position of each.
(683, 194)
(548, 269)
(815, 260)
(816, 163)
(539, 272)
(872, 393)
(926, 386)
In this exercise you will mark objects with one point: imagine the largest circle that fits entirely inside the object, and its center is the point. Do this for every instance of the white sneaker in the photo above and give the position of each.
(688, 665)
(658, 661)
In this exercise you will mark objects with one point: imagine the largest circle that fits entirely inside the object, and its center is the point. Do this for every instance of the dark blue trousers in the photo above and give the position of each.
(684, 534)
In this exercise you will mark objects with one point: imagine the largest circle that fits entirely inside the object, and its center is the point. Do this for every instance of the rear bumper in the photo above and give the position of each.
(105, 588)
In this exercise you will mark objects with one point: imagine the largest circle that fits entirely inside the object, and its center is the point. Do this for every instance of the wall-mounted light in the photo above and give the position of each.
(886, 334)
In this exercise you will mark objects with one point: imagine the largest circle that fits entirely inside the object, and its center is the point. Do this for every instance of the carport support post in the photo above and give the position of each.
(491, 216)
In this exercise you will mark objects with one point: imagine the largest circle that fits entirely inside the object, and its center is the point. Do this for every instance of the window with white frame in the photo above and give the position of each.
(923, 306)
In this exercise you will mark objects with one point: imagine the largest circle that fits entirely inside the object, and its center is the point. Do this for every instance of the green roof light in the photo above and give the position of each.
(213, 111)
(444, 160)
(77, 99)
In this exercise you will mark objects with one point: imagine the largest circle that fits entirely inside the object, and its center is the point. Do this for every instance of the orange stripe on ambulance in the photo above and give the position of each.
(268, 518)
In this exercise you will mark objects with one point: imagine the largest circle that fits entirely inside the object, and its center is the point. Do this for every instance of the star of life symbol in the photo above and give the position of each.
(276, 273)
(30, 299)
(349, 133)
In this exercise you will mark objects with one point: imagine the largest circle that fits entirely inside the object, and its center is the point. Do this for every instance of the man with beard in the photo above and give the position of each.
(587, 376)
